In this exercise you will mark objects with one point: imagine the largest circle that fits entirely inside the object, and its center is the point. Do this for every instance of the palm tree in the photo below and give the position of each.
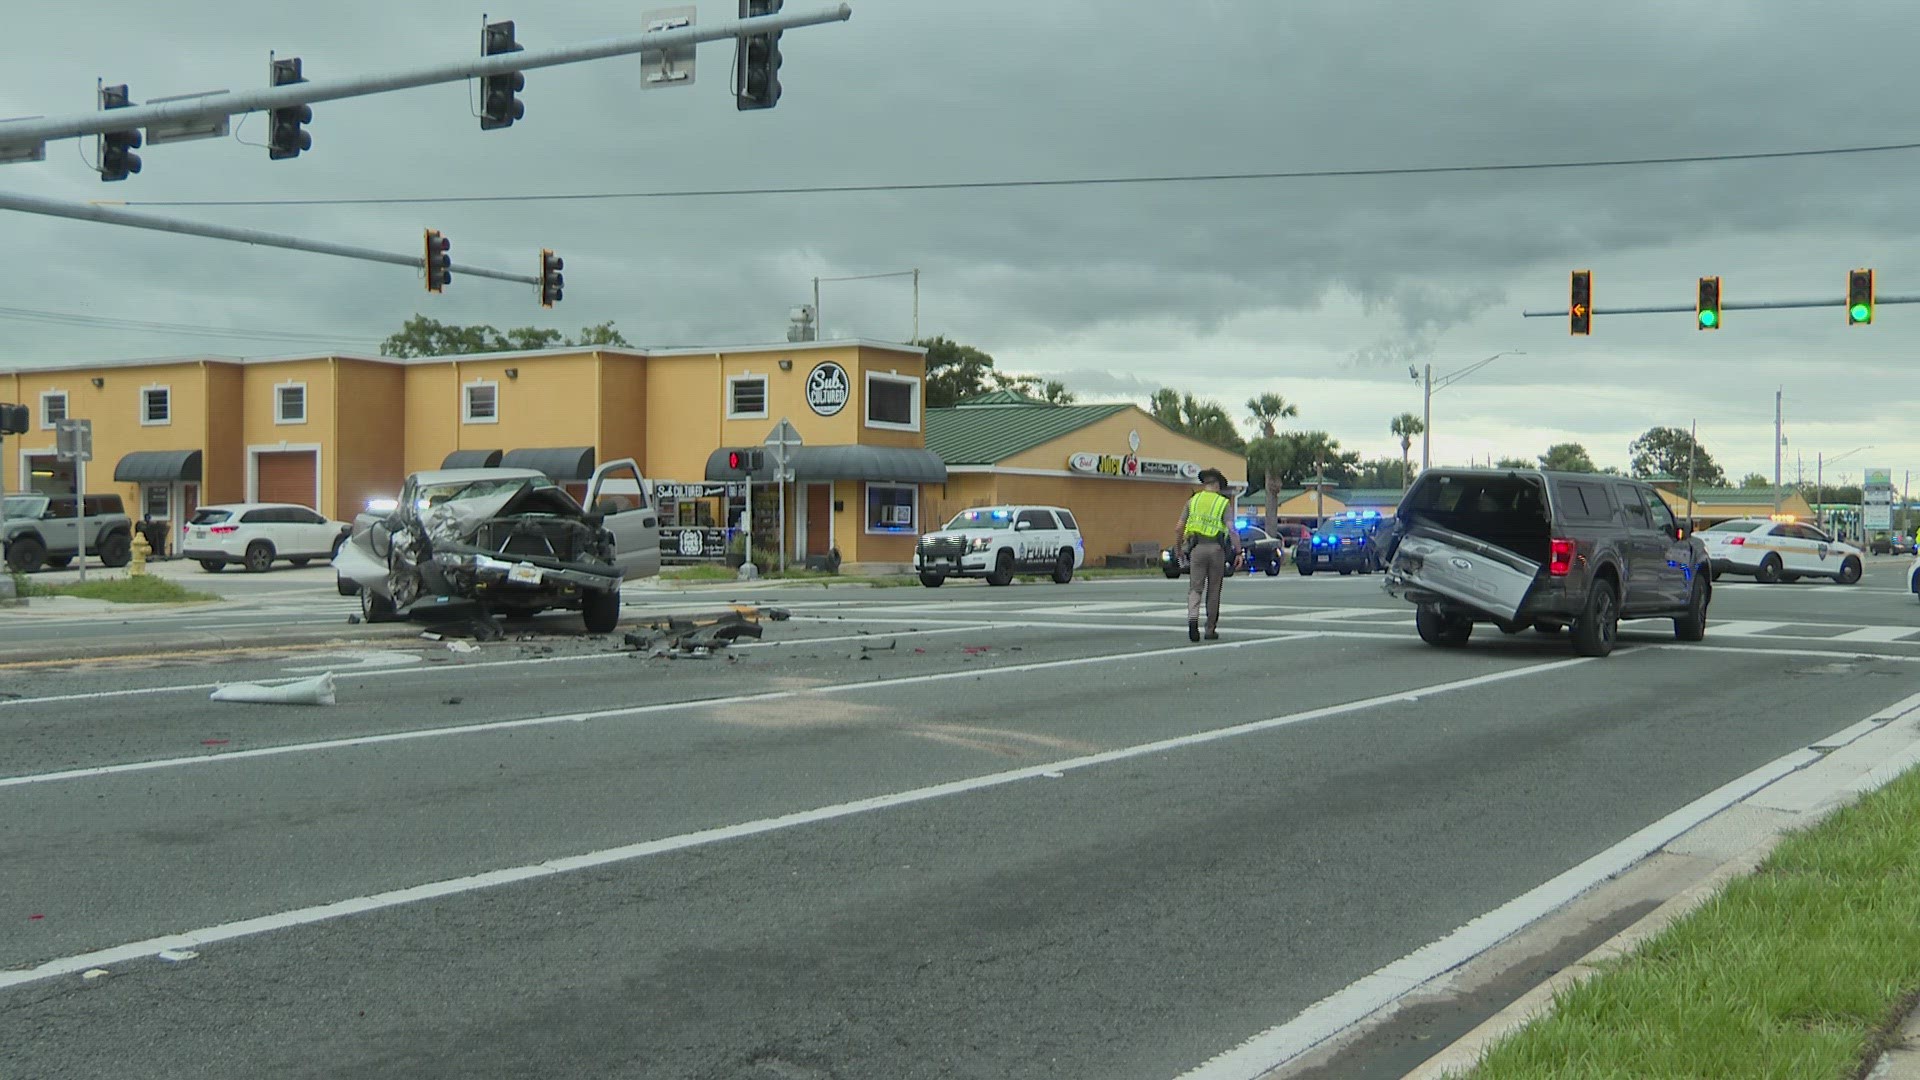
(1406, 425)
(1268, 410)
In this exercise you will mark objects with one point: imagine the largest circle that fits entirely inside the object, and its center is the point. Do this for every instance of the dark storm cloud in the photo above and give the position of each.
(1230, 287)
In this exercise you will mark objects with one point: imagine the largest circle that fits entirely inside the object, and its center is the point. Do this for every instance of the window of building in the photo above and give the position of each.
(480, 403)
(893, 401)
(290, 403)
(53, 408)
(747, 397)
(153, 499)
(891, 508)
(156, 405)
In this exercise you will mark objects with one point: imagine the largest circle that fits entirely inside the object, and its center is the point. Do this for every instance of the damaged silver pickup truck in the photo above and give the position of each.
(509, 539)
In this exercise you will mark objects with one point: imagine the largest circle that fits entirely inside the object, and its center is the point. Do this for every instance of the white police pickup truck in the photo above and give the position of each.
(997, 542)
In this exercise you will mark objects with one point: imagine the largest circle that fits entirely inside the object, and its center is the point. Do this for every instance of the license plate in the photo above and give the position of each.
(1326, 558)
(199, 534)
(525, 574)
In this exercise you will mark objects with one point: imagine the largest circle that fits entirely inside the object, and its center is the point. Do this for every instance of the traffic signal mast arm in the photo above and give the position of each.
(29, 204)
(1735, 305)
(24, 135)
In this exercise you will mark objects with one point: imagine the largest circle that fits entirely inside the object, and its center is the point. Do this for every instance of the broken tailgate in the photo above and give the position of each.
(1435, 563)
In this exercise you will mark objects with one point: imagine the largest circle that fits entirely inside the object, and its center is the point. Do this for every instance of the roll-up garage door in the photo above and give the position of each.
(288, 476)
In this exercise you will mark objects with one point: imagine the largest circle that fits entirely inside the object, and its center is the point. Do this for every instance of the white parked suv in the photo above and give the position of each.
(256, 534)
(1779, 551)
(996, 542)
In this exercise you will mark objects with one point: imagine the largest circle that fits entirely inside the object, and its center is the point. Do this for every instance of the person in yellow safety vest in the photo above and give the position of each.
(1209, 546)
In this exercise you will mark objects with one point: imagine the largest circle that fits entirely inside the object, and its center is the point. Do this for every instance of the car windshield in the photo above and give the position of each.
(1735, 526)
(25, 505)
(430, 495)
(984, 520)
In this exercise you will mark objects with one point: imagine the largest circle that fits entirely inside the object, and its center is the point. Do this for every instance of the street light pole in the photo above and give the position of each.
(1447, 380)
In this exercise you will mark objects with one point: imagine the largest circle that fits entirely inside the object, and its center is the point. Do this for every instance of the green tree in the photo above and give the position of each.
(1204, 420)
(1567, 457)
(1266, 470)
(421, 336)
(1383, 472)
(1754, 480)
(1406, 426)
(955, 372)
(1051, 391)
(1267, 410)
(1513, 463)
(1672, 451)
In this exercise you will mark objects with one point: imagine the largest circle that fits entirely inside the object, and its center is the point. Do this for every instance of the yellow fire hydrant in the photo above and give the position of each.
(141, 549)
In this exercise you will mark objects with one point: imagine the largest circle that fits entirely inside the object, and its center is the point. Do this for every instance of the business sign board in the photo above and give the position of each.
(1133, 467)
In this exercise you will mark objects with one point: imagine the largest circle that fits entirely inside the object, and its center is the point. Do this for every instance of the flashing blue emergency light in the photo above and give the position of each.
(1239, 523)
(1001, 514)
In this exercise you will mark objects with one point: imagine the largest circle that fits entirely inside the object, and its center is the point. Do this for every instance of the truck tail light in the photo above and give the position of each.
(1560, 558)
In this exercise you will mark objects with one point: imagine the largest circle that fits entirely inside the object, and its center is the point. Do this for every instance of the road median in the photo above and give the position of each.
(1812, 958)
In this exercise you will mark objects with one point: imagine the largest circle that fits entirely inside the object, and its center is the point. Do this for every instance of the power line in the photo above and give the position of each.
(101, 322)
(1083, 181)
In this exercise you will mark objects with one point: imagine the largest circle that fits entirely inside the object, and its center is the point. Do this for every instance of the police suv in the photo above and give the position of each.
(996, 542)
(1779, 550)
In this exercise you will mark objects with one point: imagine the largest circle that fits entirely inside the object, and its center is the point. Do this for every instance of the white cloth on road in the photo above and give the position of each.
(315, 691)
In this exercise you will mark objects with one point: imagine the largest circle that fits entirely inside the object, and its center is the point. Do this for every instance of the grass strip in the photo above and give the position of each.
(145, 589)
(1803, 969)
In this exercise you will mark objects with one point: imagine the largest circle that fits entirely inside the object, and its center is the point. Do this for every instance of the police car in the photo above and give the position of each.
(996, 542)
(1345, 542)
(1779, 550)
(1259, 552)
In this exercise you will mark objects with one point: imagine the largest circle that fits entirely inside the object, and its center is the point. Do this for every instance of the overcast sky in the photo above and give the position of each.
(1322, 290)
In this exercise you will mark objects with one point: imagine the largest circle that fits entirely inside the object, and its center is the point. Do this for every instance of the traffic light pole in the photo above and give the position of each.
(1687, 309)
(18, 138)
(30, 204)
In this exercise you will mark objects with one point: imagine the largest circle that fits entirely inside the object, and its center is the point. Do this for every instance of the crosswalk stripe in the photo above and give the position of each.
(1877, 633)
(1745, 627)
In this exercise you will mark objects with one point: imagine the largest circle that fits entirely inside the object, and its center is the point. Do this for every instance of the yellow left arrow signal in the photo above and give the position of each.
(1579, 310)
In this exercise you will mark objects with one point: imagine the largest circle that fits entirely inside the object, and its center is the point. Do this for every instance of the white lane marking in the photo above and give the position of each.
(358, 660)
(1743, 627)
(1326, 1018)
(209, 935)
(1760, 650)
(137, 691)
(632, 710)
(1877, 633)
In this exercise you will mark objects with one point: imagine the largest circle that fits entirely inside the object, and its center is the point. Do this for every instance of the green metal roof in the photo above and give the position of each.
(1346, 496)
(1736, 495)
(993, 427)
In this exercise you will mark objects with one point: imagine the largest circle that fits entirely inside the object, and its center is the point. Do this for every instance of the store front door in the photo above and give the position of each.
(819, 519)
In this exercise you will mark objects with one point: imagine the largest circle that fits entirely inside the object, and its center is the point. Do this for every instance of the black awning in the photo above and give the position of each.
(158, 467)
(900, 464)
(560, 463)
(472, 459)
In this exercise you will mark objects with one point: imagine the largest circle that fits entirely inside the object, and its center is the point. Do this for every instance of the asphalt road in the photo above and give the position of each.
(969, 832)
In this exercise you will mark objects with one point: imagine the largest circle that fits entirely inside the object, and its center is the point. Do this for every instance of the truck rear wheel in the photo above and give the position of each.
(116, 550)
(1444, 631)
(1599, 622)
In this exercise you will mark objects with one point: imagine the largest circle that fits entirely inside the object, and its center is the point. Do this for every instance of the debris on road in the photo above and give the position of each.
(95, 973)
(697, 636)
(477, 627)
(315, 691)
(462, 647)
(452, 701)
(174, 956)
(890, 645)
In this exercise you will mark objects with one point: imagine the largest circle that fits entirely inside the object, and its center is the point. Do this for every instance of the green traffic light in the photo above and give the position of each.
(1859, 312)
(1708, 318)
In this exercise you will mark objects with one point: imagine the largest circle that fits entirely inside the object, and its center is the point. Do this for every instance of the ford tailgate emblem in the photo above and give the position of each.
(1460, 563)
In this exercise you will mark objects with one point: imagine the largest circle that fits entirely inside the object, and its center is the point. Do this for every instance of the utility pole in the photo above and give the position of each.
(1693, 455)
(1426, 421)
(1776, 449)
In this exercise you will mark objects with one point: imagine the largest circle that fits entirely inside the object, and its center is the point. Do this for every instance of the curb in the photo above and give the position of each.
(1460, 1057)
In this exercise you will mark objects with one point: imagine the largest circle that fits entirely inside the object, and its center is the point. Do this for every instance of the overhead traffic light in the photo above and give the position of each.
(756, 61)
(13, 419)
(498, 106)
(551, 281)
(285, 135)
(743, 463)
(438, 262)
(1580, 302)
(117, 157)
(1859, 297)
(1706, 310)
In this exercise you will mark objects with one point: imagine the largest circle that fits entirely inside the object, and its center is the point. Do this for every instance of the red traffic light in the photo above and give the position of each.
(736, 460)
